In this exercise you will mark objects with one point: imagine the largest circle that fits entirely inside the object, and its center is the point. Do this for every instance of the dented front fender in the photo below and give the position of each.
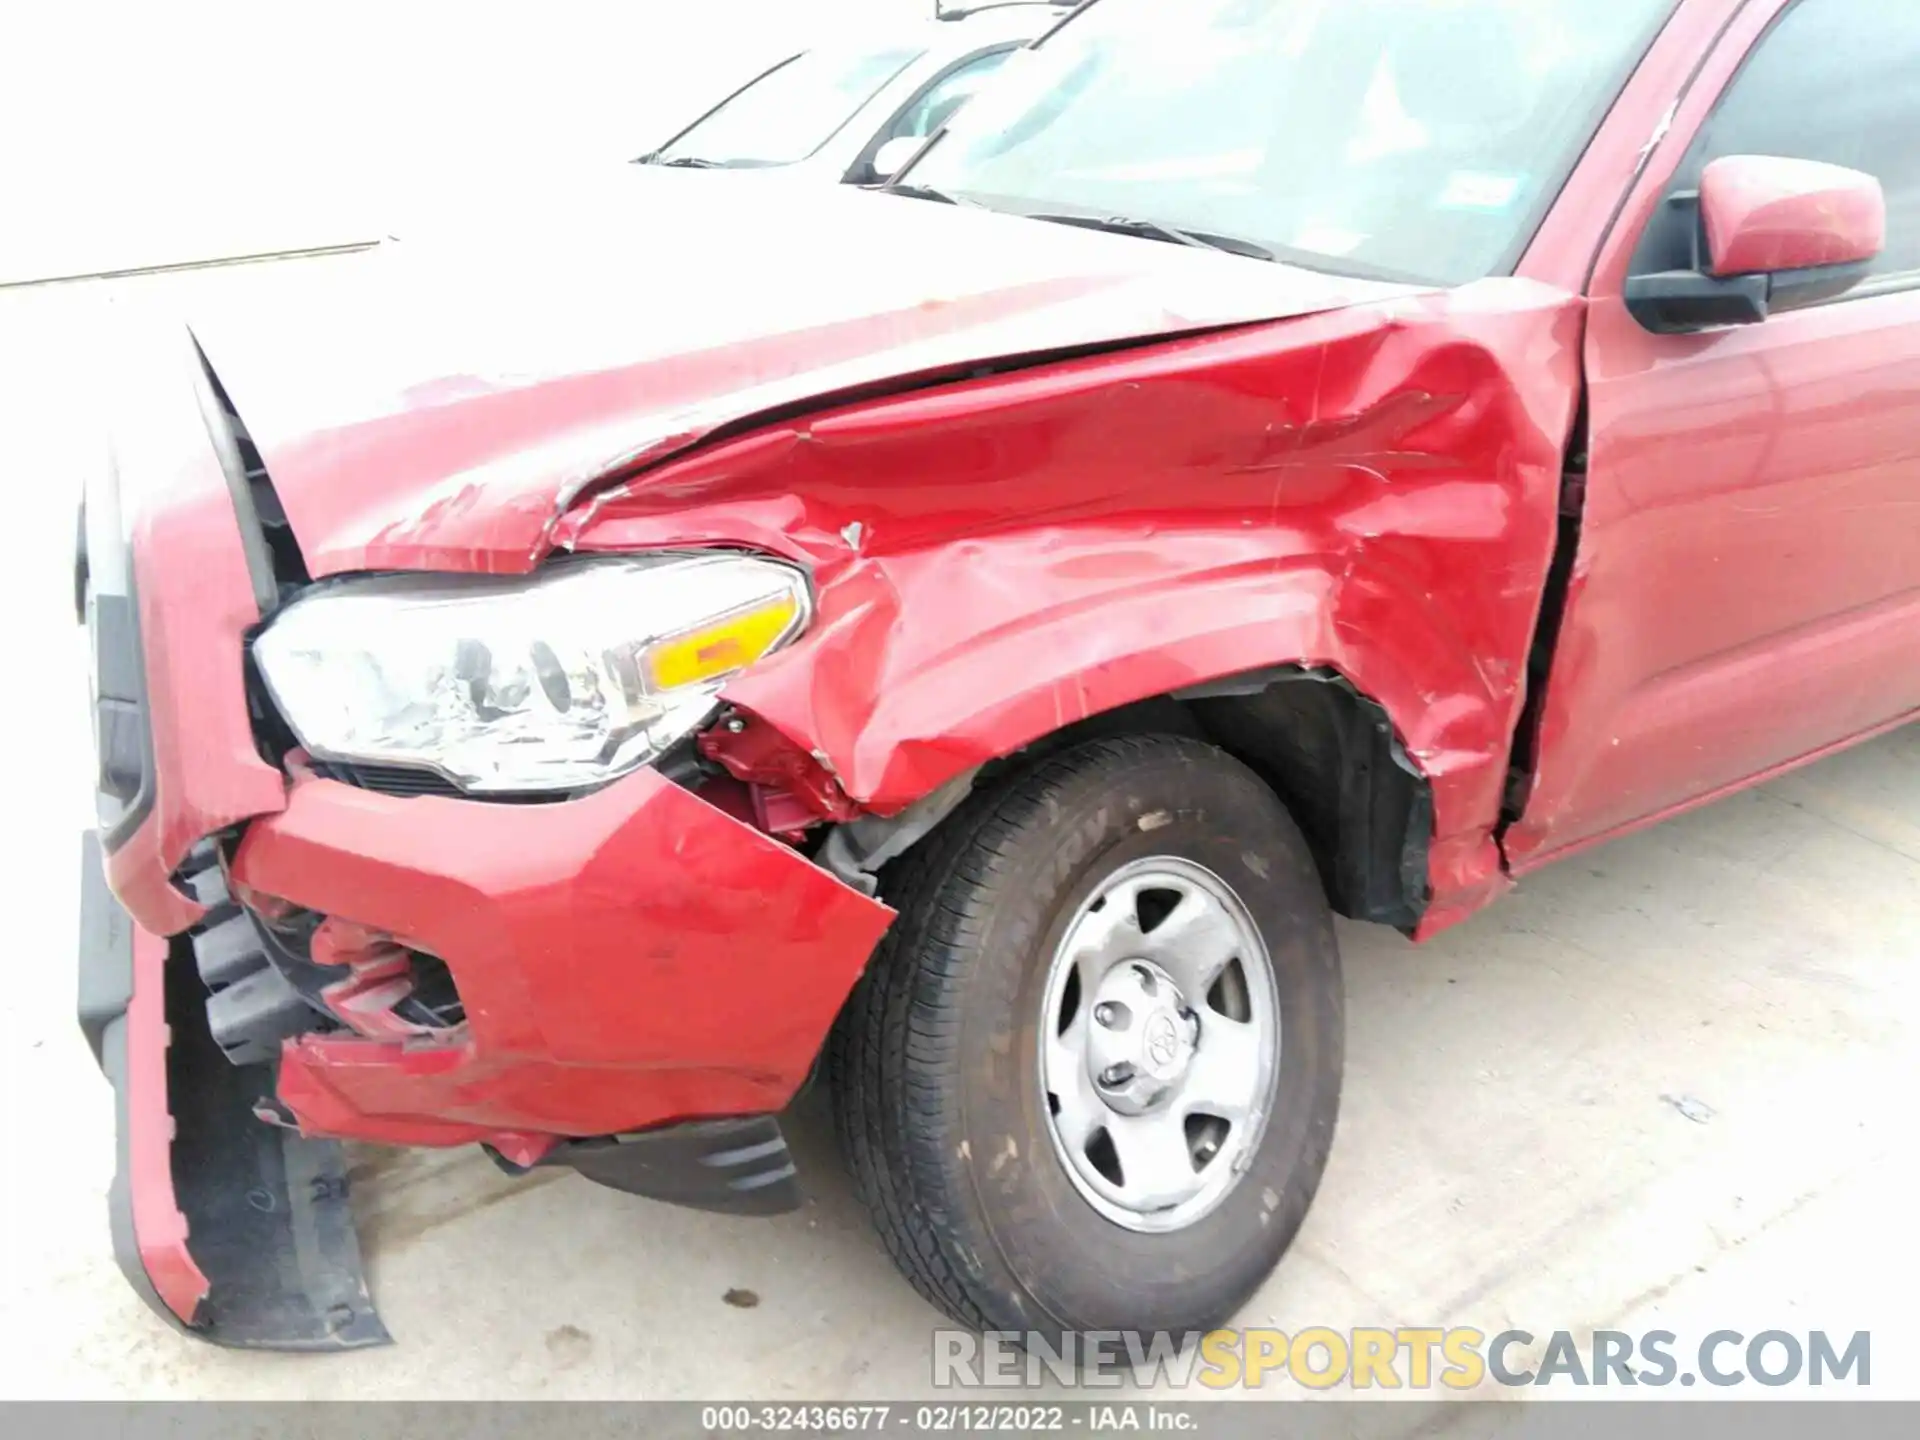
(1373, 490)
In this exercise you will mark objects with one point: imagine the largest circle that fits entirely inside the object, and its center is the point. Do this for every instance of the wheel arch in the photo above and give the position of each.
(1328, 751)
(1381, 724)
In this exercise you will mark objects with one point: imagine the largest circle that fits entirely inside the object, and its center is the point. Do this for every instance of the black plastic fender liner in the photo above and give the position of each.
(732, 1167)
(268, 1215)
(268, 1219)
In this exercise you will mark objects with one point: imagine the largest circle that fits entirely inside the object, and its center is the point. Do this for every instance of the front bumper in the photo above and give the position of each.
(642, 979)
(240, 1231)
(625, 959)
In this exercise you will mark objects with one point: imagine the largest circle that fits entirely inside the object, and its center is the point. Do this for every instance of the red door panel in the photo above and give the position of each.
(1747, 587)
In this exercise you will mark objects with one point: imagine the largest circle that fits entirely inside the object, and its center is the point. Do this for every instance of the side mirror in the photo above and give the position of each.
(1764, 216)
(1769, 234)
(892, 157)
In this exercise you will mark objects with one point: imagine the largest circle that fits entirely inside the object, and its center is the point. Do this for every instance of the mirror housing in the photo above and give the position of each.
(892, 156)
(1763, 215)
(1769, 234)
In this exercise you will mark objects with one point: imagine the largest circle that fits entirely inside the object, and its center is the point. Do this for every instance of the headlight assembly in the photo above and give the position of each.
(553, 681)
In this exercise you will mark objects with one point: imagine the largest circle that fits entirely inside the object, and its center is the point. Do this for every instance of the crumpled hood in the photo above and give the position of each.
(440, 401)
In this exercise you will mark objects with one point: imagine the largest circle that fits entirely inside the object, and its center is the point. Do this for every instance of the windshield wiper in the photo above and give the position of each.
(927, 192)
(684, 162)
(1154, 230)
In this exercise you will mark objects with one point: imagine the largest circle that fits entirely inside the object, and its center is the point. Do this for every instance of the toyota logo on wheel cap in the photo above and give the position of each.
(1163, 1041)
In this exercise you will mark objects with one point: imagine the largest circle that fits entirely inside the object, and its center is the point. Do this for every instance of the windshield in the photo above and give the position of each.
(792, 111)
(1404, 139)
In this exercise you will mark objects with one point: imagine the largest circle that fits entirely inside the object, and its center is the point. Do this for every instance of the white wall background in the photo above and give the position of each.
(144, 134)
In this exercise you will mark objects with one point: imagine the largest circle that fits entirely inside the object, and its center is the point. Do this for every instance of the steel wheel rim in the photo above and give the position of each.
(1159, 1039)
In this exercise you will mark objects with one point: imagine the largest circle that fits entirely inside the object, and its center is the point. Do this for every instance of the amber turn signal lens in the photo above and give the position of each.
(721, 648)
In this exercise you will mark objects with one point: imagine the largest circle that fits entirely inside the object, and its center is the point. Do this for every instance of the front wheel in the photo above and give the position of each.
(1090, 1079)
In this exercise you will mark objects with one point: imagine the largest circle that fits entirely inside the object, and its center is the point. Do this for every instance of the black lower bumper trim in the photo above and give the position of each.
(106, 952)
(738, 1167)
(267, 1209)
(112, 1050)
(267, 1213)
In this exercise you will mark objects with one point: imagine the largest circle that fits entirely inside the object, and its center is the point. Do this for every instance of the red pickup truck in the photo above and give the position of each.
(565, 689)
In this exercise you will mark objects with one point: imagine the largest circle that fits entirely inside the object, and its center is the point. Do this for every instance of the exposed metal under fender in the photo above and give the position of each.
(857, 851)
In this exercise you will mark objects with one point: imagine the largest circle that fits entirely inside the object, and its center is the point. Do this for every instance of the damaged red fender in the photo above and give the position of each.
(1373, 489)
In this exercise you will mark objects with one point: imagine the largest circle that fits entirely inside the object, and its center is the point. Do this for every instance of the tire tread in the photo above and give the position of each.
(898, 1036)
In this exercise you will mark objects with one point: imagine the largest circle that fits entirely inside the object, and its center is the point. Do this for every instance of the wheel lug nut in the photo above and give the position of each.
(1118, 1074)
(1112, 1015)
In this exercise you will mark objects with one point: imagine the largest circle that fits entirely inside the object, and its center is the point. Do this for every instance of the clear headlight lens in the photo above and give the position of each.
(546, 682)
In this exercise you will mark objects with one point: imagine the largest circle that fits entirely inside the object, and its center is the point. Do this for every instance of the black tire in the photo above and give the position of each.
(938, 1100)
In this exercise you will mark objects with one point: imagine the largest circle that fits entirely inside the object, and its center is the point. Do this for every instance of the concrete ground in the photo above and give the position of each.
(1668, 1084)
